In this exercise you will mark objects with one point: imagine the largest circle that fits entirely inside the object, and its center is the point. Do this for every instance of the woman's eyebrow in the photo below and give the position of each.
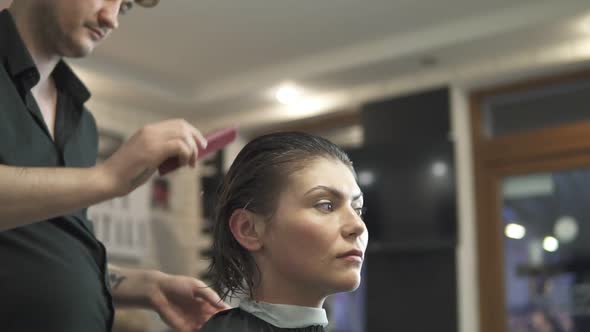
(357, 197)
(333, 192)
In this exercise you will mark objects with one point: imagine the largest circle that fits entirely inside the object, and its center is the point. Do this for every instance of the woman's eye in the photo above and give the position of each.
(325, 207)
(360, 211)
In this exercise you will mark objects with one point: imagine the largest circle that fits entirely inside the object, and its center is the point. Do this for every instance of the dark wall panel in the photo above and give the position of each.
(411, 213)
(411, 291)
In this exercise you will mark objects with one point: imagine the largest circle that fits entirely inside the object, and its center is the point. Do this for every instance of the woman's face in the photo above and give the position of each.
(316, 239)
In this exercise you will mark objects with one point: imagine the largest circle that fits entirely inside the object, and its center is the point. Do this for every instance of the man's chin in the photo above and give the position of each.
(79, 50)
(79, 53)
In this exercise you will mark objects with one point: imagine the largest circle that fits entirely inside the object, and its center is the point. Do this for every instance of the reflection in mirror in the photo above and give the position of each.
(547, 251)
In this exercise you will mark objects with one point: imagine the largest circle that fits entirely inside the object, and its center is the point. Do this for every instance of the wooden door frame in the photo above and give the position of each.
(543, 150)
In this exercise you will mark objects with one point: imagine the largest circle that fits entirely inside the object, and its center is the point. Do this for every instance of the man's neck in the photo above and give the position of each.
(43, 57)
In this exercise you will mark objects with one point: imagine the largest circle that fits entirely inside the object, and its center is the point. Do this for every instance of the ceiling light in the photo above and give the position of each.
(515, 231)
(309, 105)
(306, 107)
(288, 94)
(550, 244)
(566, 229)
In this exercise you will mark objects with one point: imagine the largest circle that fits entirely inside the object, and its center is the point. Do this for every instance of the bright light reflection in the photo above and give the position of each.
(288, 95)
(439, 169)
(366, 178)
(515, 231)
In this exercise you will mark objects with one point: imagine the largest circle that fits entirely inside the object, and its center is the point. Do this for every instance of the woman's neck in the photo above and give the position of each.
(275, 291)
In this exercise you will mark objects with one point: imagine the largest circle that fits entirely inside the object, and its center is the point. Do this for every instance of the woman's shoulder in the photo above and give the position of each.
(238, 320)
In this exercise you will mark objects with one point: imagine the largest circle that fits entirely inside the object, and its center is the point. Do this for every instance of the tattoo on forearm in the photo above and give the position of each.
(136, 181)
(116, 279)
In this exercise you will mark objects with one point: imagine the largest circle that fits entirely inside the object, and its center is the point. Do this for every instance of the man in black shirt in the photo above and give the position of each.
(54, 275)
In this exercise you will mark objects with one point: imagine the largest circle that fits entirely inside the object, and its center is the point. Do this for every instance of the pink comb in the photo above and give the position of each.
(215, 141)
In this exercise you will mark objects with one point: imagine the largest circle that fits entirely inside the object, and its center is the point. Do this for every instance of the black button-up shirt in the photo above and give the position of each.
(53, 272)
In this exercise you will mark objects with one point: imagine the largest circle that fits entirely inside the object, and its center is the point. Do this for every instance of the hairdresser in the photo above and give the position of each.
(55, 276)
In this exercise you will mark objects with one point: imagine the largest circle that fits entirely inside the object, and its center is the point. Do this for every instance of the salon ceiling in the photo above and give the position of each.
(217, 62)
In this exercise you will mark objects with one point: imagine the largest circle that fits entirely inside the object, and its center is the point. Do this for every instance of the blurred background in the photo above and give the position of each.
(468, 122)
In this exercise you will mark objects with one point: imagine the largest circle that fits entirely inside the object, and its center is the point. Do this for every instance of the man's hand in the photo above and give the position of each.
(136, 160)
(184, 303)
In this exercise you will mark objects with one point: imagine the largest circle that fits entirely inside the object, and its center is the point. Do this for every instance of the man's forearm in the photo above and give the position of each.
(132, 287)
(31, 194)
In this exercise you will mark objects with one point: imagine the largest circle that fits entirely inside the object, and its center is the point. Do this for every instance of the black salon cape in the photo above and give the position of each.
(238, 320)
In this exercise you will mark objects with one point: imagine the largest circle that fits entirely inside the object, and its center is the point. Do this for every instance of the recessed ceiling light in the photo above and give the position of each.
(515, 231)
(288, 94)
(550, 244)
(566, 229)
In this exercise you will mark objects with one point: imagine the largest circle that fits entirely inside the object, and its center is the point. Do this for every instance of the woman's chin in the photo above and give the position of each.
(348, 284)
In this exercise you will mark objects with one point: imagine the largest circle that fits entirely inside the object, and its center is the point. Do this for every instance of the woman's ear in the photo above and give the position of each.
(247, 228)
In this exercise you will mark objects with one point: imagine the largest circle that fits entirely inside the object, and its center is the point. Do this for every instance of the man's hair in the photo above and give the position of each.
(254, 182)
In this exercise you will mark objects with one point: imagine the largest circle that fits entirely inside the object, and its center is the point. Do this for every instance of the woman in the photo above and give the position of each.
(288, 234)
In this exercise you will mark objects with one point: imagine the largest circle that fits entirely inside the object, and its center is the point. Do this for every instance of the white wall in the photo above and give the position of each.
(123, 225)
(468, 293)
